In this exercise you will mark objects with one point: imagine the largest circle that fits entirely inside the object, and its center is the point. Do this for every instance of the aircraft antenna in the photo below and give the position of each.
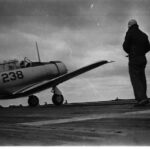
(38, 52)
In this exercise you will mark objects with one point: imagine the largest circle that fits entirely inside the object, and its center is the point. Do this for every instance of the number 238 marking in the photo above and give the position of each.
(12, 76)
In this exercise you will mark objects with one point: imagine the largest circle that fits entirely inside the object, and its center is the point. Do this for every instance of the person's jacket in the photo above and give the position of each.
(136, 42)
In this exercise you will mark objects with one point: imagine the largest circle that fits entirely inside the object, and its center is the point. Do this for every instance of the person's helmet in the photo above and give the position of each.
(131, 22)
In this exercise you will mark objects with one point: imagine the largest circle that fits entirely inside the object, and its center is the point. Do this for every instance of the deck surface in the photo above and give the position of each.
(90, 124)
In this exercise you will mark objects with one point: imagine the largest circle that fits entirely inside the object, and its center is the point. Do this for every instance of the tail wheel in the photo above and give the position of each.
(57, 99)
(33, 101)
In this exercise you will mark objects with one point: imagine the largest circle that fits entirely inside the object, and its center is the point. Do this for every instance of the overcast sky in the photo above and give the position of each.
(77, 32)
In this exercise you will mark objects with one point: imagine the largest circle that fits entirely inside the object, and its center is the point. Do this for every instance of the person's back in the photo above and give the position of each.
(136, 44)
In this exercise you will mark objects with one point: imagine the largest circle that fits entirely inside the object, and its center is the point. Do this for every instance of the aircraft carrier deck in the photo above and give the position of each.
(89, 124)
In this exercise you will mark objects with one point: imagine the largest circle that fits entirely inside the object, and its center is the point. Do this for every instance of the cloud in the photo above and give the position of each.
(57, 13)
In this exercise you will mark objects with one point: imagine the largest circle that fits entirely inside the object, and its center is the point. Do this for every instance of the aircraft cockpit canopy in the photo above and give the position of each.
(7, 65)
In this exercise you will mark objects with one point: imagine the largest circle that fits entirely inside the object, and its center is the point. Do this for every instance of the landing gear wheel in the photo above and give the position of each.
(57, 99)
(33, 101)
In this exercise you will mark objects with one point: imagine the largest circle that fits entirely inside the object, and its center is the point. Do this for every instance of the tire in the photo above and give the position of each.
(57, 99)
(33, 101)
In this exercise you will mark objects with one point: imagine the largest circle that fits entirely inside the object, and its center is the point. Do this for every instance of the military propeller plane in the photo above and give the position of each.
(25, 78)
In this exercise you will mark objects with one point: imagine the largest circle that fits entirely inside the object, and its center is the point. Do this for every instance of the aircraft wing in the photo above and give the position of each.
(58, 80)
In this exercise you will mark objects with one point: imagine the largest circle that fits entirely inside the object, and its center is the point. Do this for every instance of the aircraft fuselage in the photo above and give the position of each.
(15, 80)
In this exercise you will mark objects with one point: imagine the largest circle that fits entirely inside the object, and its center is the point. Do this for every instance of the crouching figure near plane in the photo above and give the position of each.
(25, 78)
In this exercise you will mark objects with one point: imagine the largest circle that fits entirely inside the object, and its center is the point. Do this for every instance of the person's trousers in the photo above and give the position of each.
(138, 78)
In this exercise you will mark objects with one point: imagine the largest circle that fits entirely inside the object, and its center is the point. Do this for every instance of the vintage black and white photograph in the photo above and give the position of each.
(74, 73)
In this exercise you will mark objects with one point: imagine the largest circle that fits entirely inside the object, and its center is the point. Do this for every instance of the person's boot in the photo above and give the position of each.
(142, 102)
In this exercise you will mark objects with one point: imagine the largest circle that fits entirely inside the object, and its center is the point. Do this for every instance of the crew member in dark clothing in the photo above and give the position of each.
(136, 45)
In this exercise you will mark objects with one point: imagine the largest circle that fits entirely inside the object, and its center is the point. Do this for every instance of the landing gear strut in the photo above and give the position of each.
(33, 101)
(57, 98)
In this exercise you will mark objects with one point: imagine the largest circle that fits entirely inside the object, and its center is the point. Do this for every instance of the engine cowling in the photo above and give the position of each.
(57, 68)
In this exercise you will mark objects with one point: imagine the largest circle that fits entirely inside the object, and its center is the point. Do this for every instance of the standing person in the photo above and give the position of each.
(136, 45)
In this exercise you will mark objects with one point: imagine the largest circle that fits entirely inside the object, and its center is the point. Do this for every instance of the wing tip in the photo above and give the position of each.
(111, 61)
(106, 61)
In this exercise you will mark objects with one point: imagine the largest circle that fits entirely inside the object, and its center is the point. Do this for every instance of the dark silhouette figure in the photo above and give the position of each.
(136, 45)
